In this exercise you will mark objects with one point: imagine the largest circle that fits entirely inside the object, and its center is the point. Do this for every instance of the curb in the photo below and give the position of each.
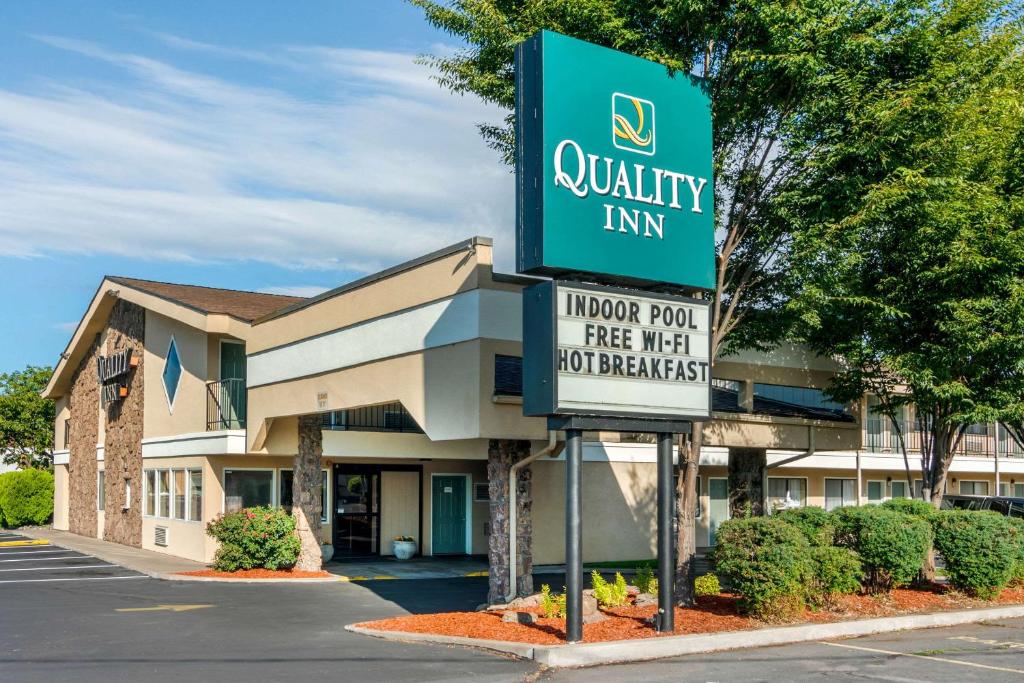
(619, 651)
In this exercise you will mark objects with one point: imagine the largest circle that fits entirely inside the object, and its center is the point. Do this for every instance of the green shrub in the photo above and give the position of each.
(706, 585)
(836, 571)
(608, 594)
(254, 538)
(1017, 533)
(551, 604)
(26, 497)
(814, 523)
(910, 506)
(767, 562)
(644, 580)
(892, 546)
(979, 548)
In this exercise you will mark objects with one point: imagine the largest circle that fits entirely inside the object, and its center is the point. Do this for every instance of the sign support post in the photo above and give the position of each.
(666, 556)
(573, 536)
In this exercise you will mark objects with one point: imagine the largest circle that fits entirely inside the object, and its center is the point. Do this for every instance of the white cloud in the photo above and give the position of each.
(361, 162)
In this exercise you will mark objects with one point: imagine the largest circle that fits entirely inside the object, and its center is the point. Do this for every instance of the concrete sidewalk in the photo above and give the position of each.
(147, 562)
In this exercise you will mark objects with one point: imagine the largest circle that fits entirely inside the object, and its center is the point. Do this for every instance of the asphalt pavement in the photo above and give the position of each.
(65, 615)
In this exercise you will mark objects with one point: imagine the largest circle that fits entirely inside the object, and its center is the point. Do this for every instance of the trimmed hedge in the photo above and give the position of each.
(767, 562)
(1017, 527)
(836, 571)
(910, 506)
(255, 538)
(980, 550)
(26, 497)
(813, 522)
(892, 546)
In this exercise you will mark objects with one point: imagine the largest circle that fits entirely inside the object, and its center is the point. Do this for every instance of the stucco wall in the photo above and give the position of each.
(188, 412)
(60, 497)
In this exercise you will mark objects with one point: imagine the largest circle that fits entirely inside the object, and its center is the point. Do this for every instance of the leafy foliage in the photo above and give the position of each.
(26, 418)
(644, 580)
(26, 497)
(256, 537)
(892, 546)
(813, 522)
(767, 562)
(836, 571)
(1017, 532)
(980, 548)
(910, 506)
(608, 594)
(707, 585)
(552, 604)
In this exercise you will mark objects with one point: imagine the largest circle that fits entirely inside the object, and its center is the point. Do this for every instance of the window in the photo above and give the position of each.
(1015, 490)
(172, 373)
(481, 492)
(973, 488)
(163, 493)
(508, 375)
(101, 490)
(876, 491)
(726, 384)
(698, 497)
(286, 482)
(978, 428)
(918, 488)
(783, 491)
(127, 495)
(150, 492)
(799, 396)
(840, 493)
(179, 493)
(195, 495)
(247, 488)
(899, 489)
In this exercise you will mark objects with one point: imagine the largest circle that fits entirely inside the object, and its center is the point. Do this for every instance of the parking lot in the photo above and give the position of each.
(25, 560)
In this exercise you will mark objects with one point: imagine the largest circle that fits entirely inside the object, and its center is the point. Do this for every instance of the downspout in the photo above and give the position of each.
(553, 448)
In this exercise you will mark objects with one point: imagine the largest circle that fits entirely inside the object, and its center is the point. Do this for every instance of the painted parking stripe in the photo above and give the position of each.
(41, 559)
(16, 544)
(9, 553)
(79, 578)
(944, 660)
(50, 569)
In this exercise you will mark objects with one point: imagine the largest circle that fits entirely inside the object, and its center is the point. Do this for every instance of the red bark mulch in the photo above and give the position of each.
(710, 615)
(259, 574)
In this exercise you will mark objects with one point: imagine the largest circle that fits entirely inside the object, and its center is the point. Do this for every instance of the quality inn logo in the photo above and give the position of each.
(633, 124)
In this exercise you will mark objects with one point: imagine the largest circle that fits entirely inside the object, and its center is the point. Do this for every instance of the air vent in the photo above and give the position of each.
(481, 492)
(160, 536)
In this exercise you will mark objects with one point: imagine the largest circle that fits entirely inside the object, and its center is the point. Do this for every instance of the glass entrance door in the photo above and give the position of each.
(356, 511)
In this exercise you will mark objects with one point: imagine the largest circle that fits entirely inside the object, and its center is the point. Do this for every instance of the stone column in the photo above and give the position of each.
(306, 491)
(501, 455)
(747, 467)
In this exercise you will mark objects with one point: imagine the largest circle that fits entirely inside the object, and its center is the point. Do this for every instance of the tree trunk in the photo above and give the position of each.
(501, 455)
(686, 506)
(747, 468)
(306, 492)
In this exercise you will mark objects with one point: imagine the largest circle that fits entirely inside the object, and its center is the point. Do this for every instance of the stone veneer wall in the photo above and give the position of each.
(501, 455)
(84, 403)
(123, 439)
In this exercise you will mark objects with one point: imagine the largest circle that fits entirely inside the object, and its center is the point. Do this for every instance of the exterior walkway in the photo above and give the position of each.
(383, 568)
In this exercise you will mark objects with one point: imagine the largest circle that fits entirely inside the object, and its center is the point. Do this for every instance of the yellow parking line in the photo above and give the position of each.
(934, 659)
(480, 573)
(18, 544)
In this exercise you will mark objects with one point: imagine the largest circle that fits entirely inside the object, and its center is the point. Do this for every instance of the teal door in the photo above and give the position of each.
(449, 515)
(718, 505)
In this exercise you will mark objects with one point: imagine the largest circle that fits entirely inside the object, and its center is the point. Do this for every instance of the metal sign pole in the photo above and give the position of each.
(573, 536)
(666, 512)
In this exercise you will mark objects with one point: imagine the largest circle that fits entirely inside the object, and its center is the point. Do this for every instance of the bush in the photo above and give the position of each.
(767, 562)
(608, 594)
(1017, 529)
(910, 506)
(552, 605)
(836, 571)
(26, 497)
(645, 581)
(706, 585)
(814, 523)
(255, 538)
(979, 548)
(892, 546)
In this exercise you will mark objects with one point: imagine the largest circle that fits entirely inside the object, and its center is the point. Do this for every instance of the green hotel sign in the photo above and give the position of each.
(613, 169)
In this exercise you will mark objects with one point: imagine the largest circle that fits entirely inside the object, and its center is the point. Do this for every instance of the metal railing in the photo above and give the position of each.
(225, 404)
(880, 437)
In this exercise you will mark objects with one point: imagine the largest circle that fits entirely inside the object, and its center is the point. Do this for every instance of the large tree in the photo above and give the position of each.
(910, 256)
(769, 66)
(26, 418)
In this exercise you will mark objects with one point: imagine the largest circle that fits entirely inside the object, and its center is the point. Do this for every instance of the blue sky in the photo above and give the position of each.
(262, 145)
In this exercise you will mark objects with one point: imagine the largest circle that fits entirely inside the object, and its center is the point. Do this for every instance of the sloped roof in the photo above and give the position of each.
(239, 304)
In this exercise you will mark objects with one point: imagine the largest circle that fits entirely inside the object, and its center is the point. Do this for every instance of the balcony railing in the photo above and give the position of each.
(225, 404)
(880, 437)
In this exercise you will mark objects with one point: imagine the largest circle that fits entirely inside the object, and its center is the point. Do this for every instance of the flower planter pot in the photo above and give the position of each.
(404, 549)
(328, 552)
